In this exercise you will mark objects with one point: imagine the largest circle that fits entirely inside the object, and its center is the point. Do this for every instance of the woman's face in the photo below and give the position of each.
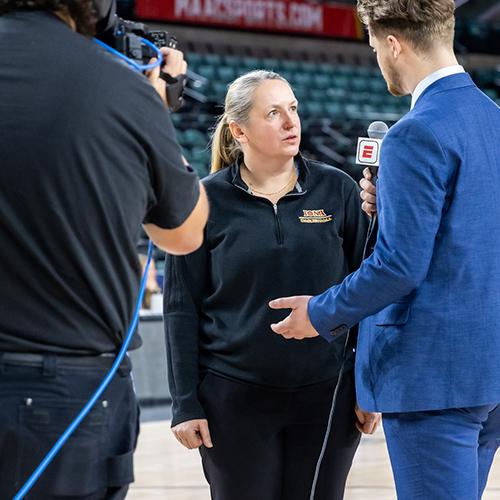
(273, 126)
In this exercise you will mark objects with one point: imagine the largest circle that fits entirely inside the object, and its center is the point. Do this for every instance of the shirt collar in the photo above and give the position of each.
(300, 165)
(434, 77)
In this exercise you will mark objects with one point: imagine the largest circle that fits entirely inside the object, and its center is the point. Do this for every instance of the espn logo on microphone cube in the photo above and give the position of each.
(368, 151)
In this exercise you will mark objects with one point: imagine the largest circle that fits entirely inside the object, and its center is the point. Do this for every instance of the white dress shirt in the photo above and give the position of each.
(434, 77)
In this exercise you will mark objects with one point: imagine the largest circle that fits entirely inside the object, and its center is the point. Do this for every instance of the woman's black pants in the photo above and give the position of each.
(267, 442)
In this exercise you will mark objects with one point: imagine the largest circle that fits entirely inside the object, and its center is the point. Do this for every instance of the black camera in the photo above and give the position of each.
(127, 37)
(127, 40)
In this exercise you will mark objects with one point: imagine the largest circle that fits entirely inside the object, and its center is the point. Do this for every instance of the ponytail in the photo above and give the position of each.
(225, 149)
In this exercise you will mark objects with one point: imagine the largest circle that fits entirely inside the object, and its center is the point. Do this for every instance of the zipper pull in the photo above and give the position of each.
(275, 206)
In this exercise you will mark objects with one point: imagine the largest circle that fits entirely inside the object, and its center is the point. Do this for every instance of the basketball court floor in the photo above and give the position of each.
(166, 470)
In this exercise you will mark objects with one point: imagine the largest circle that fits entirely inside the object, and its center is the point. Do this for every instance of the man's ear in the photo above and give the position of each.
(238, 132)
(394, 45)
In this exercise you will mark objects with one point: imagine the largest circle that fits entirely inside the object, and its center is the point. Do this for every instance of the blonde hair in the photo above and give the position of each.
(239, 101)
(420, 22)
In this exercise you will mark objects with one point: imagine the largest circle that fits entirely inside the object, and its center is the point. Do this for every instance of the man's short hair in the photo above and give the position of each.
(420, 22)
(81, 11)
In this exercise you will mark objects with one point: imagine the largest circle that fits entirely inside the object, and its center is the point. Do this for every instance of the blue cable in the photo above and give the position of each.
(60, 442)
(130, 62)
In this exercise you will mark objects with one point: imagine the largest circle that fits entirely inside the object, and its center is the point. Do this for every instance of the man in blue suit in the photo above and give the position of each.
(428, 298)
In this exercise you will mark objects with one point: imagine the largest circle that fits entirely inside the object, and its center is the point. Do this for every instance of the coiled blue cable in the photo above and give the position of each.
(67, 433)
(130, 62)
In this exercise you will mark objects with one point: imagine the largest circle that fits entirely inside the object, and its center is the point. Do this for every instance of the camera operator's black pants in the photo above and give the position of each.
(40, 395)
(267, 443)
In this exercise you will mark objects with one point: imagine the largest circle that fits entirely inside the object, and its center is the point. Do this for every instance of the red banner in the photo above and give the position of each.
(289, 16)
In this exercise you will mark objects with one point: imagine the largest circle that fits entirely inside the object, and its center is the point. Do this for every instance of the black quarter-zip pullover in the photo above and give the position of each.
(217, 316)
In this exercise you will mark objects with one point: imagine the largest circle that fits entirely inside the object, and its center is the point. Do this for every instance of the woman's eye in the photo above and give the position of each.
(273, 112)
(293, 108)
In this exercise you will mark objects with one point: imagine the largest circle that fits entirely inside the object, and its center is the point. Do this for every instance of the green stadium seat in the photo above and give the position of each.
(362, 71)
(250, 63)
(376, 99)
(226, 73)
(344, 69)
(393, 108)
(194, 58)
(233, 61)
(377, 85)
(359, 84)
(354, 110)
(270, 64)
(312, 108)
(316, 94)
(334, 109)
(308, 67)
(341, 81)
(358, 97)
(300, 93)
(207, 70)
(214, 59)
(336, 93)
(322, 81)
(491, 93)
(200, 155)
(290, 64)
(176, 118)
(326, 68)
(194, 138)
(201, 169)
(219, 90)
(286, 74)
(302, 79)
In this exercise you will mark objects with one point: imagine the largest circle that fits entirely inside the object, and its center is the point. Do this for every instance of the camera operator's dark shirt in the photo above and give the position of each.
(87, 153)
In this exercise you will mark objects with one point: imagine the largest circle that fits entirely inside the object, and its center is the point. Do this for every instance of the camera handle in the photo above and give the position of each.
(175, 90)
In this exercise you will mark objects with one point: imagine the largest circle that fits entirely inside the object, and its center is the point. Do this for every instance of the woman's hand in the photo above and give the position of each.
(193, 433)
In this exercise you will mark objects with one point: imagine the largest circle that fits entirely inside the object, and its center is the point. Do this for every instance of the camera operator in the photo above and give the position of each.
(88, 153)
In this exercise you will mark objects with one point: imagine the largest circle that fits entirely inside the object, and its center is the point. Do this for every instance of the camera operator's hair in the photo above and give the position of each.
(419, 22)
(239, 101)
(81, 11)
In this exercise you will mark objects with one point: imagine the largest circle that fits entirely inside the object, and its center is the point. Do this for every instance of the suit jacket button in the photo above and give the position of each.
(340, 330)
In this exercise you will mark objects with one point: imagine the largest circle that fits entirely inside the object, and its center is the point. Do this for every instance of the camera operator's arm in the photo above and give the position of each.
(186, 238)
(174, 64)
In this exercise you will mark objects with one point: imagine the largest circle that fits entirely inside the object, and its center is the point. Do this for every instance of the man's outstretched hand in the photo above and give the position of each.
(297, 324)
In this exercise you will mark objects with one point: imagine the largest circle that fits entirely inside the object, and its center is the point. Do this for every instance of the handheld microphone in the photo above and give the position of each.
(368, 152)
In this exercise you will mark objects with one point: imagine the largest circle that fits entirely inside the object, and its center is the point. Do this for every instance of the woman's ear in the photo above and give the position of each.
(237, 132)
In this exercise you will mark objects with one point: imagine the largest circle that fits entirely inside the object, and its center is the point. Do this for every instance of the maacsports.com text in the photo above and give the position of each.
(291, 15)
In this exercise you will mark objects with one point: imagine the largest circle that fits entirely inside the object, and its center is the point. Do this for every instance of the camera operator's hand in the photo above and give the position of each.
(173, 64)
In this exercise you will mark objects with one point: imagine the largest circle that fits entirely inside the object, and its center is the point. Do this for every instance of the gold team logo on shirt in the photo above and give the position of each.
(315, 217)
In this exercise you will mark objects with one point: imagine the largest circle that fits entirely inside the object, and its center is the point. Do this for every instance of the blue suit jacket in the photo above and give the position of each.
(430, 292)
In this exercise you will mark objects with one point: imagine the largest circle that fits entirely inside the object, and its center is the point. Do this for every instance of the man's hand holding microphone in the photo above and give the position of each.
(368, 193)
